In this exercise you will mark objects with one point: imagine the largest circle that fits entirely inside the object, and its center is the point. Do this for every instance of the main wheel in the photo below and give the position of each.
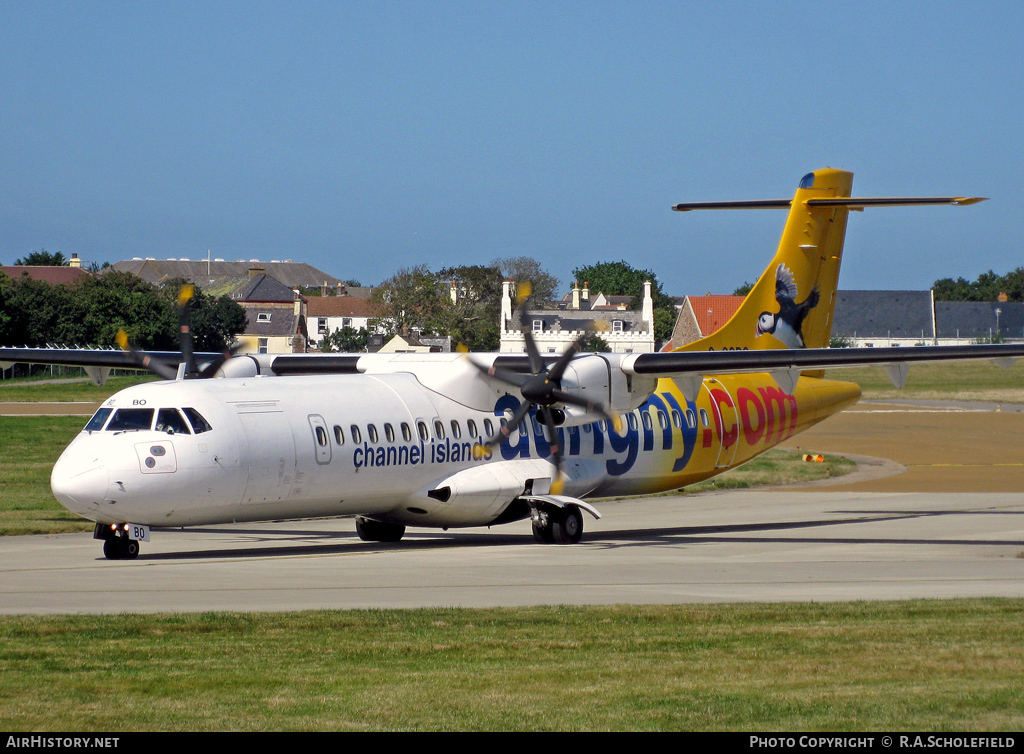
(567, 526)
(377, 531)
(542, 533)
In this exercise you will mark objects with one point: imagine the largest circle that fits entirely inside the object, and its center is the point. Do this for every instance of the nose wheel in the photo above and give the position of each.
(117, 545)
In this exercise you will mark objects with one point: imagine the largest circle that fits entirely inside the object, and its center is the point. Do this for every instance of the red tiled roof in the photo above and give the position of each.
(713, 311)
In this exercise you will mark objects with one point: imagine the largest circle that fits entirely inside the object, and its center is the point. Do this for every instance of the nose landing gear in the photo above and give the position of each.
(117, 545)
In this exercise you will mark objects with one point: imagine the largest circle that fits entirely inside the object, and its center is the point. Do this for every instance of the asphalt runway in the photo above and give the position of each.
(950, 525)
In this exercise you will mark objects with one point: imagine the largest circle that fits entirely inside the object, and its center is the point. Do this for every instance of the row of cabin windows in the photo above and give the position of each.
(422, 431)
(424, 434)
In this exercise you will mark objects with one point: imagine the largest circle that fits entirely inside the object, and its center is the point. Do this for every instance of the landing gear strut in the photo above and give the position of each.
(560, 526)
(377, 531)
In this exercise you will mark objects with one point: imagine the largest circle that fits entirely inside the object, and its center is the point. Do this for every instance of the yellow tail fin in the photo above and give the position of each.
(792, 303)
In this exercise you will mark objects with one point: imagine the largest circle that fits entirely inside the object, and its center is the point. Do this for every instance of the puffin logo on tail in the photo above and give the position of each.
(788, 324)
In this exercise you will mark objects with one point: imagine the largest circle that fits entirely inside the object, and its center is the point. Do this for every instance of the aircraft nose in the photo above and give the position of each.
(78, 489)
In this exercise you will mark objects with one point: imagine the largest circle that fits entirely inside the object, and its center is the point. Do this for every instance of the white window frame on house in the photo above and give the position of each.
(263, 345)
(321, 326)
(263, 316)
(538, 325)
(616, 325)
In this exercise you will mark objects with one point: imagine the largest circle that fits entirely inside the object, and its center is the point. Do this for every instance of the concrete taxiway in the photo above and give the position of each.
(952, 525)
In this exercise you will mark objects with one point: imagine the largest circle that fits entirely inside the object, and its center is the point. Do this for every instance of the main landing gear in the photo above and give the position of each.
(117, 545)
(559, 526)
(377, 531)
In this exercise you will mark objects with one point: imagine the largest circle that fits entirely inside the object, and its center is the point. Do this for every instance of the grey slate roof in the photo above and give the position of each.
(880, 314)
(263, 288)
(569, 319)
(977, 319)
(292, 274)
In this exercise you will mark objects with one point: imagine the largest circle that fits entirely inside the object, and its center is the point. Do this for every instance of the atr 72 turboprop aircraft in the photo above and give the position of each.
(453, 440)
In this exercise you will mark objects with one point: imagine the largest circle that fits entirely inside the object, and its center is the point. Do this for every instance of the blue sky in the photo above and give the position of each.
(367, 136)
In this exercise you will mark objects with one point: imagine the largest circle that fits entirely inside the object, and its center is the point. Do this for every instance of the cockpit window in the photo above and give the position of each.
(199, 424)
(98, 419)
(127, 419)
(170, 421)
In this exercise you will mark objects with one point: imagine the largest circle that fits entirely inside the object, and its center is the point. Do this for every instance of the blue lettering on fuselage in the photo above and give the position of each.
(517, 445)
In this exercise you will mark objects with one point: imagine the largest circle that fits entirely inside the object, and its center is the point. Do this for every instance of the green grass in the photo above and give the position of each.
(978, 380)
(30, 446)
(29, 390)
(923, 665)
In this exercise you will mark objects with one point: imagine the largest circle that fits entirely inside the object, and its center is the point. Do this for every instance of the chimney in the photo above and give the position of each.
(585, 296)
(255, 270)
(575, 295)
(74, 261)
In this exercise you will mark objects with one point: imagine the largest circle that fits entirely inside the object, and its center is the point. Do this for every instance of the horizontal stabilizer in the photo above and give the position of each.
(850, 202)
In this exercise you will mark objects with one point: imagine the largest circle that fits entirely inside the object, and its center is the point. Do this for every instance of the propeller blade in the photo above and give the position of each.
(185, 328)
(211, 369)
(145, 361)
(556, 372)
(505, 375)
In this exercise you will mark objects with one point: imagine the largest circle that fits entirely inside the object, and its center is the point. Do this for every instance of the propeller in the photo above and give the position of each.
(542, 388)
(162, 368)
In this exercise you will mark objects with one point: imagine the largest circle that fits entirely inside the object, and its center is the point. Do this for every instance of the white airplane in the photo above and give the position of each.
(454, 440)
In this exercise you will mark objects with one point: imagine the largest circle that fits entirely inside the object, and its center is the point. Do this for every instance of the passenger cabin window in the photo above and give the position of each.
(704, 420)
(321, 437)
(170, 421)
(389, 433)
(371, 431)
(439, 429)
(421, 427)
(488, 428)
(98, 420)
(456, 429)
(339, 435)
(357, 436)
(471, 428)
(406, 432)
(691, 419)
(128, 419)
(199, 424)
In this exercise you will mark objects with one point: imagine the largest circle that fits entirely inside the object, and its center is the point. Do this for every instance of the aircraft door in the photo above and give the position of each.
(321, 439)
(270, 457)
(727, 422)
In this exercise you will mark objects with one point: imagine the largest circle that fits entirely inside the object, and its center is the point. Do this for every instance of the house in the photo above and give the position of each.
(699, 316)
(326, 314)
(555, 329)
(54, 275)
(276, 316)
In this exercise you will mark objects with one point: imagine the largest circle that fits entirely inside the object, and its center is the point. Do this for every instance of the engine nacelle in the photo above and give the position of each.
(599, 378)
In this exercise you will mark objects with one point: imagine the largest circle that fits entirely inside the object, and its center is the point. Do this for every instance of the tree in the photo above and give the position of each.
(546, 288)
(346, 340)
(42, 258)
(214, 320)
(472, 318)
(743, 290)
(409, 298)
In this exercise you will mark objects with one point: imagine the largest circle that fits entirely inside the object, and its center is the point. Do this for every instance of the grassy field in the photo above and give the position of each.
(924, 665)
(30, 446)
(38, 390)
(963, 380)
